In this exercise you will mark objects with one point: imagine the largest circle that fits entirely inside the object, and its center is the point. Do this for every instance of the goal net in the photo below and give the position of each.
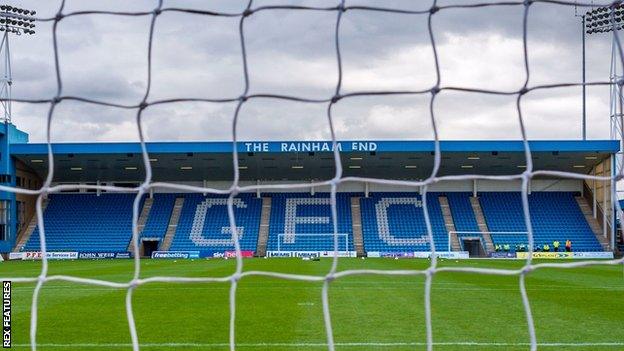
(310, 241)
(489, 240)
(340, 9)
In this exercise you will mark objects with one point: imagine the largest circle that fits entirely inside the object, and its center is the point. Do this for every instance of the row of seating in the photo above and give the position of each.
(555, 216)
(391, 221)
(204, 223)
(159, 216)
(463, 216)
(85, 222)
(304, 222)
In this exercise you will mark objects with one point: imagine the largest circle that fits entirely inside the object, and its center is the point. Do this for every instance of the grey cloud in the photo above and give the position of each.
(292, 52)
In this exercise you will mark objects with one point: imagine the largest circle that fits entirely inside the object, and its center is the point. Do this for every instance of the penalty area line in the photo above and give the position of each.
(323, 345)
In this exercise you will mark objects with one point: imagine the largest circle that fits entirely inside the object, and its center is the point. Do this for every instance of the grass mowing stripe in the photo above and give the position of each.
(373, 312)
(618, 288)
(342, 344)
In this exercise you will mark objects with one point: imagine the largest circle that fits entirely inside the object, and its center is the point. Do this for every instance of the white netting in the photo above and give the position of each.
(314, 240)
(235, 189)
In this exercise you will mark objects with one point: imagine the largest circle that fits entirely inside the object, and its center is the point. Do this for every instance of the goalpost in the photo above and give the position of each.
(478, 235)
(339, 9)
(283, 240)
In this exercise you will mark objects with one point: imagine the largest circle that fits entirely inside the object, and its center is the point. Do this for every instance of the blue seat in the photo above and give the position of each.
(554, 216)
(204, 223)
(159, 215)
(309, 218)
(86, 222)
(391, 221)
(395, 222)
(463, 216)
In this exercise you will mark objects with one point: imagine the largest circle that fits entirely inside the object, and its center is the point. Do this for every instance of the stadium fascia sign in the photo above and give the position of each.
(175, 254)
(38, 255)
(419, 254)
(244, 253)
(224, 254)
(309, 146)
(554, 255)
(309, 253)
(502, 255)
(103, 255)
(593, 255)
(549, 255)
(454, 255)
(16, 255)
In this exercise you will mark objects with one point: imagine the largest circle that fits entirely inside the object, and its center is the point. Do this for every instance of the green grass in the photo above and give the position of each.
(575, 306)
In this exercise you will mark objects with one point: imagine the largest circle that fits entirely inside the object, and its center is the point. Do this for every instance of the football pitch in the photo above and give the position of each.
(573, 309)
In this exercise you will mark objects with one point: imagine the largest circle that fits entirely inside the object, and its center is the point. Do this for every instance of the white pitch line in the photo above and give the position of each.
(286, 287)
(323, 345)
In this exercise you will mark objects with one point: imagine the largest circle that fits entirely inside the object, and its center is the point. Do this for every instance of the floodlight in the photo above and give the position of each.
(13, 20)
(602, 19)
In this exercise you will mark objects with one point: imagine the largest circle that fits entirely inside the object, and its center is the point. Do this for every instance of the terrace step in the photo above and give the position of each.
(356, 225)
(263, 232)
(145, 211)
(483, 228)
(595, 226)
(173, 224)
(24, 235)
(449, 223)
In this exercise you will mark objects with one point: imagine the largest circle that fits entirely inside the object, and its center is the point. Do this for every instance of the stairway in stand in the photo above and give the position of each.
(483, 228)
(263, 232)
(24, 235)
(593, 222)
(147, 207)
(356, 225)
(173, 224)
(449, 223)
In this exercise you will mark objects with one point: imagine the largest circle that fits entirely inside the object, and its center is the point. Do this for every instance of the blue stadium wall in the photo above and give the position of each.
(9, 135)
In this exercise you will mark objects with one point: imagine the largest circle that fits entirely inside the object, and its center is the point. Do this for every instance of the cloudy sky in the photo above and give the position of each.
(292, 52)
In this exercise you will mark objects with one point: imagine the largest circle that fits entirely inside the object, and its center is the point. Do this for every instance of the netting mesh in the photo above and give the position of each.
(340, 8)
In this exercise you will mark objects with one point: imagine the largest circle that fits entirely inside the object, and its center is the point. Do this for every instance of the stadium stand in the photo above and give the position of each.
(204, 223)
(302, 213)
(395, 222)
(391, 221)
(86, 222)
(159, 215)
(503, 213)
